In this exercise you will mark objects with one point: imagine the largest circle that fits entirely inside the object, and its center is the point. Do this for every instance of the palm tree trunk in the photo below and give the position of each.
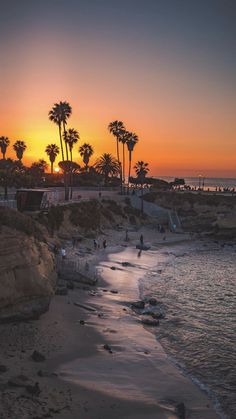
(117, 149)
(142, 198)
(129, 169)
(64, 128)
(118, 158)
(62, 151)
(51, 167)
(71, 176)
(124, 162)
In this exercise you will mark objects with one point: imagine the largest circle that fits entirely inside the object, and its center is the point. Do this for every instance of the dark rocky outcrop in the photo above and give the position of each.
(27, 275)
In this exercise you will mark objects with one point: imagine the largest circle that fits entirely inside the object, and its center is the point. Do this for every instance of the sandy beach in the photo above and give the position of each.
(130, 377)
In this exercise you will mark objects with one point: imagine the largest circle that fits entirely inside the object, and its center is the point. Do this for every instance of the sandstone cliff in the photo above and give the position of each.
(27, 275)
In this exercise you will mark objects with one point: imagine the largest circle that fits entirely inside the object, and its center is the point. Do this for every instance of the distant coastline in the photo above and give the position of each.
(211, 182)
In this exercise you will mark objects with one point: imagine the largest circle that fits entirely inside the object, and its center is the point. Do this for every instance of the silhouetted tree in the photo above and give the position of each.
(71, 137)
(10, 174)
(52, 150)
(107, 165)
(141, 169)
(4, 143)
(86, 151)
(131, 141)
(59, 114)
(116, 128)
(19, 148)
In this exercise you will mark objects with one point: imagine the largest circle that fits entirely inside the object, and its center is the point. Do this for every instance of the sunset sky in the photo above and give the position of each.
(166, 68)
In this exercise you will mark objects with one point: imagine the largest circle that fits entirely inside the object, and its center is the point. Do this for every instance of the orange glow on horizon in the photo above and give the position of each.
(185, 125)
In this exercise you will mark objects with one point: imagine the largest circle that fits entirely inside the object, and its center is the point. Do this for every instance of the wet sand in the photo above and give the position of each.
(84, 380)
(136, 379)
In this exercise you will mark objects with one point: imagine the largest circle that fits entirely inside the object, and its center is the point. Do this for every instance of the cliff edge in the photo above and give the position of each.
(27, 275)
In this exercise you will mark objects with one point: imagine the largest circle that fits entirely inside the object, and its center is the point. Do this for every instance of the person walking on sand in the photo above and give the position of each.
(104, 243)
(141, 240)
(95, 244)
(63, 253)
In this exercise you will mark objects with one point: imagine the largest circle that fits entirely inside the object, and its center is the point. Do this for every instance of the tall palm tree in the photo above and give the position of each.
(59, 114)
(19, 148)
(124, 136)
(71, 137)
(107, 165)
(52, 150)
(131, 141)
(141, 169)
(86, 151)
(4, 143)
(116, 128)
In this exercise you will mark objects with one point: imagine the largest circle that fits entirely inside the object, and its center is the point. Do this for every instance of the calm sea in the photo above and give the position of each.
(196, 291)
(210, 183)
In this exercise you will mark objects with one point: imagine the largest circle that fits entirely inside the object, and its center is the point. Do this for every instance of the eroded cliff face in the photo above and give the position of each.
(27, 275)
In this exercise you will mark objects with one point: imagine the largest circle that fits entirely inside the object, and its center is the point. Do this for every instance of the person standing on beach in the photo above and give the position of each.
(63, 253)
(104, 244)
(95, 244)
(141, 240)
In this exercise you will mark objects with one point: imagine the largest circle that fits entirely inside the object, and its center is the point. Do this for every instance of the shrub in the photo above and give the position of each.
(20, 222)
(86, 214)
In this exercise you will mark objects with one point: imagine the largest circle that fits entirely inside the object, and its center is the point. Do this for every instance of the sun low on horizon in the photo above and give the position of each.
(166, 69)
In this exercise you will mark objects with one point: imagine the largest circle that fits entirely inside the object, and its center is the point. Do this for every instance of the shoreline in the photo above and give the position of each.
(80, 347)
(119, 298)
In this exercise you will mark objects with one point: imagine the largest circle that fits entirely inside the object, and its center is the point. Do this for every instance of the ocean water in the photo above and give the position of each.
(210, 183)
(196, 289)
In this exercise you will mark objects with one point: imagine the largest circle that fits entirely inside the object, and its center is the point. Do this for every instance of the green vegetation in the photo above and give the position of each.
(20, 222)
(86, 214)
(170, 199)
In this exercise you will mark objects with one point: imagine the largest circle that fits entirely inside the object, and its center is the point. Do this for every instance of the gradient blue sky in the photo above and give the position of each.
(165, 67)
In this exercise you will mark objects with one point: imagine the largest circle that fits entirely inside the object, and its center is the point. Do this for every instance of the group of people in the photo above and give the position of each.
(96, 244)
(62, 251)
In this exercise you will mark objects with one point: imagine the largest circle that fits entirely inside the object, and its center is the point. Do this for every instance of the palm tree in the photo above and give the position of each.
(52, 150)
(141, 169)
(124, 135)
(71, 137)
(10, 174)
(19, 148)
(4, 143)
(59, 114)
(68, 166)
(107, 165)
(116, 128)
(131, 141)
(86, 151)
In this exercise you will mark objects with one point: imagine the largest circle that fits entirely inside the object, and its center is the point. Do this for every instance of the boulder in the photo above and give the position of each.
(37, 356)
(27, 276)
(138, 304)
(107, 348)
(153, 301)
(149, 322)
